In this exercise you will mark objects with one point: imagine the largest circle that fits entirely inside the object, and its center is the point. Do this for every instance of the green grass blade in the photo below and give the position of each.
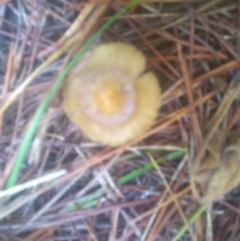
(193, 218)
(91, 199)
(137, 172)
(44, 105)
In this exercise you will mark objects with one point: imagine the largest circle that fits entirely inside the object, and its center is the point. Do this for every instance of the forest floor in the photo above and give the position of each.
(178, 181)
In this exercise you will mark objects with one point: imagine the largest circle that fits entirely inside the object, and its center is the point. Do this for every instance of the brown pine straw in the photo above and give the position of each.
(194, 49)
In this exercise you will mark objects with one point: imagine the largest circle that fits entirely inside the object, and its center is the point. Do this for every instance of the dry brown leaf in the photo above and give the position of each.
(219, 172)
(216, 166)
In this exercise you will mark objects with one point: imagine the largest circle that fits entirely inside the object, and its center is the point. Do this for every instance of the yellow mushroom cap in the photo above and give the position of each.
(110, 98)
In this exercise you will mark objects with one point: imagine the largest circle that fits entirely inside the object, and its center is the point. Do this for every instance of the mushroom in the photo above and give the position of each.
(110, 98)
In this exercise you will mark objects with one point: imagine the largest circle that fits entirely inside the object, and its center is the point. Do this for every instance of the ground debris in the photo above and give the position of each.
(219, 171)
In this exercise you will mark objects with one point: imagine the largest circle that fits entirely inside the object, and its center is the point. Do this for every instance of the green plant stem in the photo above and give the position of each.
(193, 218)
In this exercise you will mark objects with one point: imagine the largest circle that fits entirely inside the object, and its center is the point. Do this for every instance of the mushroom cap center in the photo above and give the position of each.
(109, 97)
